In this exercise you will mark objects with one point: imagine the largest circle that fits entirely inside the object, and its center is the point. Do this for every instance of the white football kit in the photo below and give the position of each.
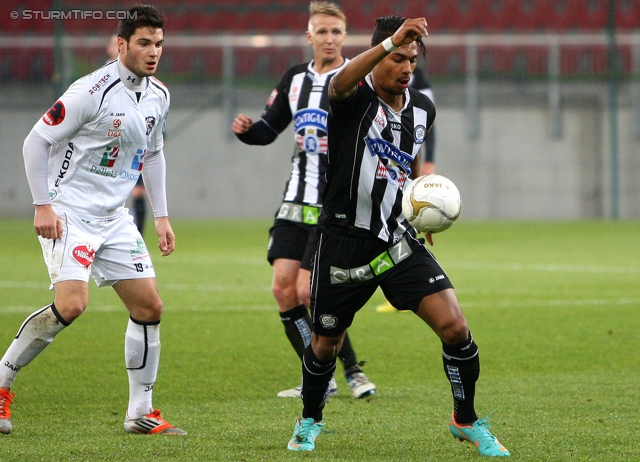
(100, 133)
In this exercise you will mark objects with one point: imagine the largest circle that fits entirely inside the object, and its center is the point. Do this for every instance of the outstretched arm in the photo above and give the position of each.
(344, 83)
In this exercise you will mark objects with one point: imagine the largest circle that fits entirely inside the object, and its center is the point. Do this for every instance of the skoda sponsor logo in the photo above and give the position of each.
(328, 321)
(66, 163)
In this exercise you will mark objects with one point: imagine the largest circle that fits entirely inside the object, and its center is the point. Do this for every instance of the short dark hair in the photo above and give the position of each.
(140, 16)
(386, 26)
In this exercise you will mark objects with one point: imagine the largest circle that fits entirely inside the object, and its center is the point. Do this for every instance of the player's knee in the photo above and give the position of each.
(454, 332)
(70, 310)
(155, 308)
(304, 295)
(284, 292)
(326, 348)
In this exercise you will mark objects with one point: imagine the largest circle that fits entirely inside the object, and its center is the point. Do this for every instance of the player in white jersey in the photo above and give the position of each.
(82, 160)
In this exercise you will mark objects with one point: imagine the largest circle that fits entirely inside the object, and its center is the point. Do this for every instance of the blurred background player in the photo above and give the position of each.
(301, 96)
(420, 82)
(139, 191)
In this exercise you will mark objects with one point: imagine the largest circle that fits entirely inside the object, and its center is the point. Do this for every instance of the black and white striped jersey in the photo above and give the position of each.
(371, 148)
(302, 97)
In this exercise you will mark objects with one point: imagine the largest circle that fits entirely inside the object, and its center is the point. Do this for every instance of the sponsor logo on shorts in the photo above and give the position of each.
(83, 254)
(437, 278)
(328, 321)
(139, 252)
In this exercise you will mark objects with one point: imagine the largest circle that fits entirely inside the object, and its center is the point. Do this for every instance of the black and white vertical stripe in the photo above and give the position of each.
(370, 149)
(304, 90)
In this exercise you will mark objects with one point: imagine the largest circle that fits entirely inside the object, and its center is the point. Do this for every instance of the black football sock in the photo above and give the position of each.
(297, 326)
(316, 376)
(348, 357)
(462, 366)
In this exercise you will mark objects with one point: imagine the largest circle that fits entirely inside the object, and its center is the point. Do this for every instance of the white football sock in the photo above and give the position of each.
(142, 355)
(35, 334)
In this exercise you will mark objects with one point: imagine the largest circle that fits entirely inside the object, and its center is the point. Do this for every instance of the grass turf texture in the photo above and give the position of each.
(553, 307)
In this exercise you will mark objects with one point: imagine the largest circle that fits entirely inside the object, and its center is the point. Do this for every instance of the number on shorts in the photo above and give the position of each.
(139, 267)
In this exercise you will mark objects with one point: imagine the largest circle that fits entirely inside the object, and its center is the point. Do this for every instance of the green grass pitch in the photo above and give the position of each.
(553, 307)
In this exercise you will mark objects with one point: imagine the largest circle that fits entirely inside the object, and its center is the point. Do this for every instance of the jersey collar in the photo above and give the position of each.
(130, 80)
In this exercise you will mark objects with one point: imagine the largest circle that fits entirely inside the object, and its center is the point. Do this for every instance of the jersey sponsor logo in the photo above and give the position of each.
(272, 97)
(64, 168)
(396, 126)
(389, 152)
(104, 171)
(151, 122)
(380, 118)
(83, 254)
(311, 130)
(293, 94)
(311, 117)
(55, 114)
(138, 160)
(99, 84)
(109, 156)
(419, 134)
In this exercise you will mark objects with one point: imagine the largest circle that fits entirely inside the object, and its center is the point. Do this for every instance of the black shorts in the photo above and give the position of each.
(293, 241)
(349, 268)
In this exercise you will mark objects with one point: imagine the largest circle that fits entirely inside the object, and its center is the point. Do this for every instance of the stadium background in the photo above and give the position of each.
(538, 101)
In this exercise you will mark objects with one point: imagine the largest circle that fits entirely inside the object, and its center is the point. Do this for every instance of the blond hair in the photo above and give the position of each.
(328, 8)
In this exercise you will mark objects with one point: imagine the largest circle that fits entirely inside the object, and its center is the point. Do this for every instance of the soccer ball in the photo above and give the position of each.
(431, 203)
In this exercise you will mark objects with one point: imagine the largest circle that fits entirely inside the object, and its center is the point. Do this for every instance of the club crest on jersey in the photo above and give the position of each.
(83, 254)
(419, 134)
(55, 114)
(151, 122)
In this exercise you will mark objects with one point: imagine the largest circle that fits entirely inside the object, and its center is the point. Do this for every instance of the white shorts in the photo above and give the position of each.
(107, 250)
